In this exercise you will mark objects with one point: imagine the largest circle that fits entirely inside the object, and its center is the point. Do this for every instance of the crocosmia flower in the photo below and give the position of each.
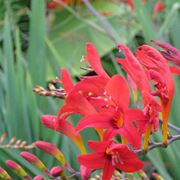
(108, 156)
(118, 118)
(140, 77)
(160, 74)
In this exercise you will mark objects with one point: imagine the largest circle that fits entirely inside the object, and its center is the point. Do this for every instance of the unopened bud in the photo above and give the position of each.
(31, 158)
(48, 121)
(4, 174)
(56, 171)
(142, 174)
(52, 150)
(17, 169)
(157, 176)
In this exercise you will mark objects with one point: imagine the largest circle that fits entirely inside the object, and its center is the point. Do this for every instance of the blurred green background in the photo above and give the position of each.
(35, 42)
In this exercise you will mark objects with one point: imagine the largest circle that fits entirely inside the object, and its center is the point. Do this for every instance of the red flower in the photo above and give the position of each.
(109, 155)
(118, 118)
(76, 103)
(89, 91)
(151, 108)
(89, 87)
(135, 70)
(161, 75)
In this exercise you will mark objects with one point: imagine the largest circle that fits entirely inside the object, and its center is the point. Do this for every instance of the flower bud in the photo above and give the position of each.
(31, 158)
(17, 169)
(51, 149)
(157, 176)
(48, 121)
(56, 171)
(4, 174)
(142, 174)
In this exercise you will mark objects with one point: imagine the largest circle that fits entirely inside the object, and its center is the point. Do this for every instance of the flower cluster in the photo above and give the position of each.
(103, 102)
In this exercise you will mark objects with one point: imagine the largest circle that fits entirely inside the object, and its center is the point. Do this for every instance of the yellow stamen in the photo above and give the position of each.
(108, 151)
(120, 121)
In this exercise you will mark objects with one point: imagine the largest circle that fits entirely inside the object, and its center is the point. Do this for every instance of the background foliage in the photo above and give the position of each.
(35, 43)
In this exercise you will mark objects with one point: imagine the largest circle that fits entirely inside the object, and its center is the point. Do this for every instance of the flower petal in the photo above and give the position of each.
(64, 127)
(134, 114)
(132, 135)
(66, 80)
(151, 58)
(138, 117)
(96, 121)
(77, 103)
(133, 67)
(108, 170)
(123, 151)
(91, 86)
(175, 70)
(132, 165)
(98, 146)
(94, 60)
(110, 133)
(85, 172)
(92, 160)
(117, 88)
(128, 159)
